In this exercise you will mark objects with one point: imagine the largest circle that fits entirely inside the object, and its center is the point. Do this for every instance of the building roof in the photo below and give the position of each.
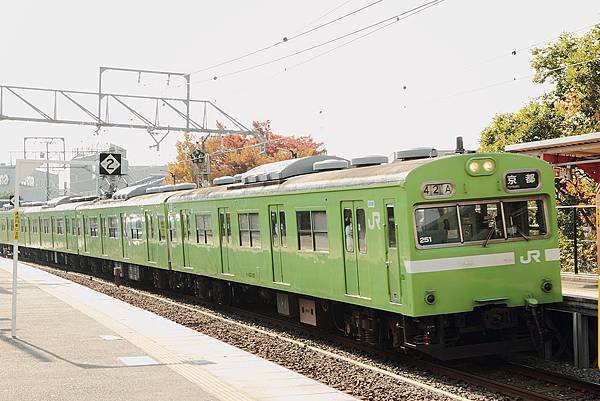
(581, 146)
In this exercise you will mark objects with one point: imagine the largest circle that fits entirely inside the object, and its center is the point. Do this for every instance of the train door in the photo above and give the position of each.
(355, 248)
(278, 241)
(225, 238)
(391, 252)
(124, 235)
(150, 237)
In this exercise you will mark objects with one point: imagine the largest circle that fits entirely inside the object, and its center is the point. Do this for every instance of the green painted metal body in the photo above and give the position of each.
(366, 271)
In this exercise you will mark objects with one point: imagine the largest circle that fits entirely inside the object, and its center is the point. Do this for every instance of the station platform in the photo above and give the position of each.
(76, 344)
(580, 293)
(580, 305)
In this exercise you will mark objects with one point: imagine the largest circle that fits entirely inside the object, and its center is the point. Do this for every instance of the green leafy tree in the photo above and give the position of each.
(572, 66)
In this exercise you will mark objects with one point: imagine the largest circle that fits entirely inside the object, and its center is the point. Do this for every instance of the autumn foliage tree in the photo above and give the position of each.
(234, 154)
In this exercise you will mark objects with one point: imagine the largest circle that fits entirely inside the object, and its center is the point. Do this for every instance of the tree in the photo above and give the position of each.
(234, 154)
(571, 107)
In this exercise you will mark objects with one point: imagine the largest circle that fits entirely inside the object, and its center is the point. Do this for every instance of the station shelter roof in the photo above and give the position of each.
(582, 151)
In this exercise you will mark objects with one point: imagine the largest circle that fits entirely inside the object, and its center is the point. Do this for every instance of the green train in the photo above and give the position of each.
(453, 256)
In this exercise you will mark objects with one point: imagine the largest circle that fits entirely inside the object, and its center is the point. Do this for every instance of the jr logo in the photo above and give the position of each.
(375, 221)
(532, 256)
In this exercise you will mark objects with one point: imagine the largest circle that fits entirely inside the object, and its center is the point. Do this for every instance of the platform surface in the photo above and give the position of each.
(580, 294)
(76, 344)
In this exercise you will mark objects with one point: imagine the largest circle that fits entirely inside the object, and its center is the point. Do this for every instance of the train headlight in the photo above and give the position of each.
(474, 167)
(488, 166)
(481, 166)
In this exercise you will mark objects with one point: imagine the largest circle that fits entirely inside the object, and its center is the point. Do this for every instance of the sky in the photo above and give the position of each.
(422, 81)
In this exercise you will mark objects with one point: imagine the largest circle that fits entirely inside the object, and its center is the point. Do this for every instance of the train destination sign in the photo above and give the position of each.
(437, 190)
(521, 180)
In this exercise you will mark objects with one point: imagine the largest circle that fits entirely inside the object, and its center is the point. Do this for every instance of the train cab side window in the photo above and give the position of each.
(361, 228)
(204, 232)
(312, 231)
(391, 226)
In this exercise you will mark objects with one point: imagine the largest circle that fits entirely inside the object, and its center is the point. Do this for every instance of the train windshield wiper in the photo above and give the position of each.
(489, 236)
(521, 233)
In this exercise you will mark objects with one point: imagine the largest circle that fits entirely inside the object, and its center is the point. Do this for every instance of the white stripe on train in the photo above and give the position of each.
(470, 262)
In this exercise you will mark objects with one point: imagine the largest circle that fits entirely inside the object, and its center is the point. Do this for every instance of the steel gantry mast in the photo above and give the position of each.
(178, 114)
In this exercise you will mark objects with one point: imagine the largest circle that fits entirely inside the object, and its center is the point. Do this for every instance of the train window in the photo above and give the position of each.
(73, 227)
(437, 225)
(348, 230)
(319, 220)
(225, 227)
(278, 230)
(204, 232)
(60, 228)
(93, 223)
(172, 227)
(525, 218)
(67, 225)
(113, 227)
(150, 225)
(312, 231)
(361, 229)
(282, 229)
(186, 228)
(391, 226)
(162, 233)
(481, 221)
(249, 229)
(305, 241)
(45, 226)
(136, 225)
(274, 229)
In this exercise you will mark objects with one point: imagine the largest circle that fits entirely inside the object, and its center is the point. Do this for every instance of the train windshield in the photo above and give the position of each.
(482, 222)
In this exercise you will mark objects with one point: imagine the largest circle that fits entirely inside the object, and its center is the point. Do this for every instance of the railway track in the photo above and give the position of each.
(377, 361)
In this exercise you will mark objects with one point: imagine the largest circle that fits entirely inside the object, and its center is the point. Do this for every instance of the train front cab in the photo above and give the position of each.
(483, 257)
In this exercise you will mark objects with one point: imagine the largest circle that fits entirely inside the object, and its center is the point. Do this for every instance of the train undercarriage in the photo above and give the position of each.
(488, 330)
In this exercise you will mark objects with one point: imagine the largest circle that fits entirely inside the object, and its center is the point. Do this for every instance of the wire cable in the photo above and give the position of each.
(357, 38)
(396, 17)
(286, 39)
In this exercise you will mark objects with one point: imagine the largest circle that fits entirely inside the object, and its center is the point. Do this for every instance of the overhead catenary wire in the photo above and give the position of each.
(508, 81)
(396, 17)
(319, 18)
(286, 39)
(358, 38)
